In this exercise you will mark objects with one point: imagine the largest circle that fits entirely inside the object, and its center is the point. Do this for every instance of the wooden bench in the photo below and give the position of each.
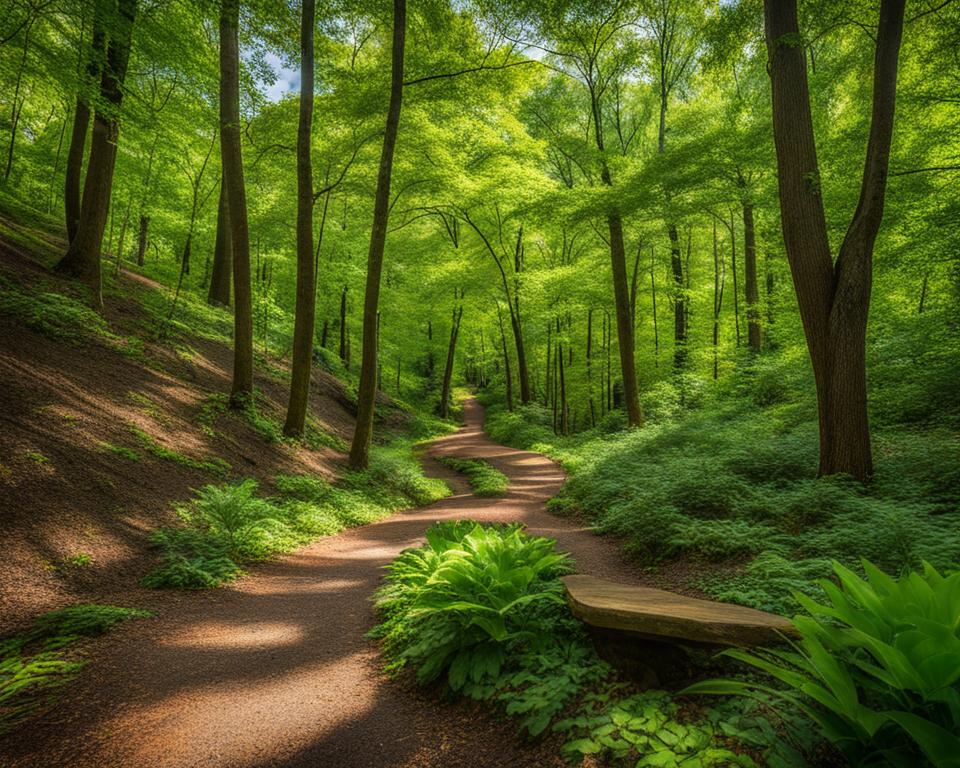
(661, 616)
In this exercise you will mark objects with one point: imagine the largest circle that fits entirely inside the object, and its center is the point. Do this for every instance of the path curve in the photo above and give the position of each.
(275, 670)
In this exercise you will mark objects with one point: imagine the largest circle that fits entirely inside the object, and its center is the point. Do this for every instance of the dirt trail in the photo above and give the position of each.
(275, 670)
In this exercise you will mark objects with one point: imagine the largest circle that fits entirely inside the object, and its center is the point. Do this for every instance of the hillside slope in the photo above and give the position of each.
(104, 427)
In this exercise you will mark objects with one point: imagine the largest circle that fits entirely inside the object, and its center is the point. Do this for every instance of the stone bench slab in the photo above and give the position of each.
(666, 616)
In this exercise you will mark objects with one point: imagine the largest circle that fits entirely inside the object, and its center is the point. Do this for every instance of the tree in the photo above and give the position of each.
(833, 296)
(241, 394)
(456, 317)
(367, 390)
(221, 272)
(304, 318)
(82, 259)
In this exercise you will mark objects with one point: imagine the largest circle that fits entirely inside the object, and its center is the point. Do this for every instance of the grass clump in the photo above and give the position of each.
(214, 465)
(34, 663)
(484, 478)
(226, 526)
(55, 315)
(120, 450)
(480, 608)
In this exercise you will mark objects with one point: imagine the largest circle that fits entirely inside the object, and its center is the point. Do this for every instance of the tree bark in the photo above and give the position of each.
(448, 368)
(241, 394)
(833, 297)
(508, 378)
(343, 351)
(679, 300)
(81, 123)
(367, 390)
(222, 271)
(142, 241)
(754, 336)
(82, 259)
(306, 305)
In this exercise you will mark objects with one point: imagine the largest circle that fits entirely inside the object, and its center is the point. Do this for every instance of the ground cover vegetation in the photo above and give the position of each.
(703, 254)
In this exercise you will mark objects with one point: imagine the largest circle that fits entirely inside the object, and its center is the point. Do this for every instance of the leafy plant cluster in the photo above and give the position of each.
(35, 662)
(480, 610)
(225, 526)
(877, 667)
(484, 478)
(730, 478)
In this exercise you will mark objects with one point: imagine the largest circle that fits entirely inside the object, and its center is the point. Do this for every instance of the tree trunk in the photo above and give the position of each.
(506, 360)
(679, 300)
(78, 135)
(82, 259)
(589, 365)
(18, 102)
(304, 319)
(142, 240)
(653, 294)
(833, 297)
(344, 351)
(750, 265)
(219, 291)
(367, 390)
(564, 415)
(448, 368)
(241, 394)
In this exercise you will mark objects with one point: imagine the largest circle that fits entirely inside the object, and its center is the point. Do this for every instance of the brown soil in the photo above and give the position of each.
(63, 493)
(275, 670)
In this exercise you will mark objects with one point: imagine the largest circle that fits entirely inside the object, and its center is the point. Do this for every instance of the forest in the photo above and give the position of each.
(480, 383)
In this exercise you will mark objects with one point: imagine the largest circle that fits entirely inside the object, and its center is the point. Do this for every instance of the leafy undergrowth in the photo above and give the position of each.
(35, 663)
(480, 611)
(485, 480)
(226, 526)
(877, 668)
(730, 478)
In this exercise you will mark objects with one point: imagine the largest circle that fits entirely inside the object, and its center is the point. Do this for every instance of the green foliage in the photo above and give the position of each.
(226, 526)
(877, 667)
(33, 664)
(732, 481)
(480, 608)
(484, 478)
(55, 315)
(120, 450)
(455, 606)
(642, 730)
(213, 465)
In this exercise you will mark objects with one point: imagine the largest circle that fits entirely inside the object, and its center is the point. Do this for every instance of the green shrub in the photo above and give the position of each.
(33, 664)
(720, 539)
(485, 480)
(455, 606)
(302, 487)
(191, 559)
(877, 667)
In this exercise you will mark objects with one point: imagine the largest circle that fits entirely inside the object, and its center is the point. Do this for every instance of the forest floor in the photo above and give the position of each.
(273, 669)
(276, 670)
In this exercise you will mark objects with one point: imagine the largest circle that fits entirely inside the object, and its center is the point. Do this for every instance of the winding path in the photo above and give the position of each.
(275, 669)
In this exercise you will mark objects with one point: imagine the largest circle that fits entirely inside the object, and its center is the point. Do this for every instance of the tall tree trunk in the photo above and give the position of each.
(367, 390)
(750, 278)
(653, 294)
(679, 300)
(241, 394)
(508, 378)
(222, 271)
(589, 365)
(344, 351)
(621, 288)
(17, 108)
(142, 240)
(719, 273)
(834, 298)
(564, 414)
(736, 283)
(304, 319)
(82, 259)
(81, 123)
(448, 368)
